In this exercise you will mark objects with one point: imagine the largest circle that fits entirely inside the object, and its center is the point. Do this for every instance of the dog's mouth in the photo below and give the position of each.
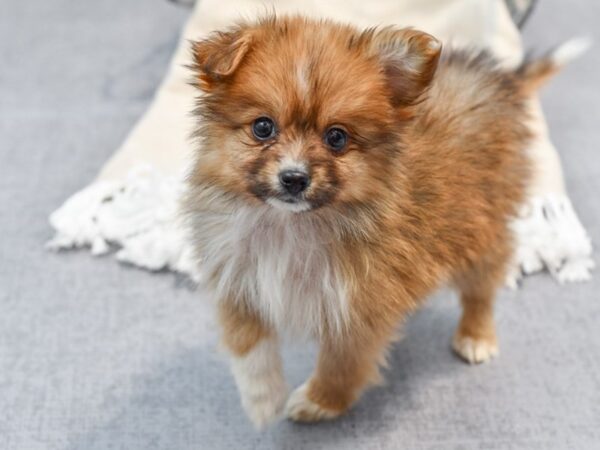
(284, 201)
(289, 203)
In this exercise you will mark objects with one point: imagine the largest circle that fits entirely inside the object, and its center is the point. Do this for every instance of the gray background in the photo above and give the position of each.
(94, 355)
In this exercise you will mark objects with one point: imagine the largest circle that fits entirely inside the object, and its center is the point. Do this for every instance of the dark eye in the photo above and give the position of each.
(336, 138)
(263, 128)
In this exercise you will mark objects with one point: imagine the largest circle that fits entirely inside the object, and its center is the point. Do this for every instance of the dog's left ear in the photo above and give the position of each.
(409, 60)
(217, 57)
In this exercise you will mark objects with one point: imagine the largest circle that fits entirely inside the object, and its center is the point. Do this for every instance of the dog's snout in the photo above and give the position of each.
(294, 181)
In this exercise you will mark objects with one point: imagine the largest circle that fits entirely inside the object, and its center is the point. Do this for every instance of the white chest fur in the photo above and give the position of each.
(279, 262)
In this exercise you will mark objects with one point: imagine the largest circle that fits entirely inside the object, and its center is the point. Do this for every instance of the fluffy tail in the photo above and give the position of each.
(535, 72)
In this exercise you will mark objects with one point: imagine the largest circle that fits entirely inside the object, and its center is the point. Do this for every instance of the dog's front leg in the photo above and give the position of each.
(345, 367)
(255, 362)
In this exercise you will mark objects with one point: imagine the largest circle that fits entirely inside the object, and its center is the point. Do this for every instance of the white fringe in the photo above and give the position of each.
(550, 236)
(139, 216)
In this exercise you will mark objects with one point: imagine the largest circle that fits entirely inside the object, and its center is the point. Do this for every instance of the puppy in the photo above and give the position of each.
(342, 176)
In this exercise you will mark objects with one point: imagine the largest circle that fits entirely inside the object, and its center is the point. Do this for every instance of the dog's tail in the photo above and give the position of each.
(534, 72)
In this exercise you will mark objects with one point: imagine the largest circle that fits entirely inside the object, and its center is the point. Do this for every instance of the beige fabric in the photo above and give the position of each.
(161, 136)
(143, 179)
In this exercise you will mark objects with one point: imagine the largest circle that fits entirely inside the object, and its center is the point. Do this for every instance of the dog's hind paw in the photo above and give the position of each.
(475, 350)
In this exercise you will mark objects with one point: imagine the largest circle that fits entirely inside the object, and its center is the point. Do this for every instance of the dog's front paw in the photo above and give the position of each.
(475, 350)
(261, 384)
(300, 408)
(264, 404)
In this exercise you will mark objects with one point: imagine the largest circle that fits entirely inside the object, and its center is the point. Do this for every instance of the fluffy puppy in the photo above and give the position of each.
(342, 176)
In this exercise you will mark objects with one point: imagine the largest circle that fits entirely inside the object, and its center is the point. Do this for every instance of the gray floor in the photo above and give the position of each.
(94, 355)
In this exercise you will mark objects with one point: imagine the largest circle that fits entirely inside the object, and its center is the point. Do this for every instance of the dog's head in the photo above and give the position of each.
(303, 114)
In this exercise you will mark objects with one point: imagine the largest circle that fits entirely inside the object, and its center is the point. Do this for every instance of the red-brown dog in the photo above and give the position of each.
(344, 175)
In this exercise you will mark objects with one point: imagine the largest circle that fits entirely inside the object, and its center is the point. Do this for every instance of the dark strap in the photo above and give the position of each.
(520, 10)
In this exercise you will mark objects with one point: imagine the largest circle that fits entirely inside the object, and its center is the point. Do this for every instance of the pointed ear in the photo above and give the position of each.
(409, 59)
(218, 56)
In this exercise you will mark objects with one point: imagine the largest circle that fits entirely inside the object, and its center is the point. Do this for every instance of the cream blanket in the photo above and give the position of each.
(133, 202)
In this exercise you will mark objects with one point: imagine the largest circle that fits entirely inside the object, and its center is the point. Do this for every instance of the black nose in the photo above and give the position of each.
(294, 181)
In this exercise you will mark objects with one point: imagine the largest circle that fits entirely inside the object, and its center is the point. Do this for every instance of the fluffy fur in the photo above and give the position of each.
(420, 195)
(259, 376)
(275, 260)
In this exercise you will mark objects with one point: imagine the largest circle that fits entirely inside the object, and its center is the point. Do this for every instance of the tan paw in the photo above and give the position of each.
(300, 408)
(473, 350)
(265, 407)
(262, 387)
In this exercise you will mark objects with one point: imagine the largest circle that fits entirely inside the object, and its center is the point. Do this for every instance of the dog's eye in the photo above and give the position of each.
(263, 128)
(336, 139)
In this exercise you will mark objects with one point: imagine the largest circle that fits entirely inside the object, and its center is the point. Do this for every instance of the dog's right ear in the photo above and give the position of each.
(409, 58)
(218, 56)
